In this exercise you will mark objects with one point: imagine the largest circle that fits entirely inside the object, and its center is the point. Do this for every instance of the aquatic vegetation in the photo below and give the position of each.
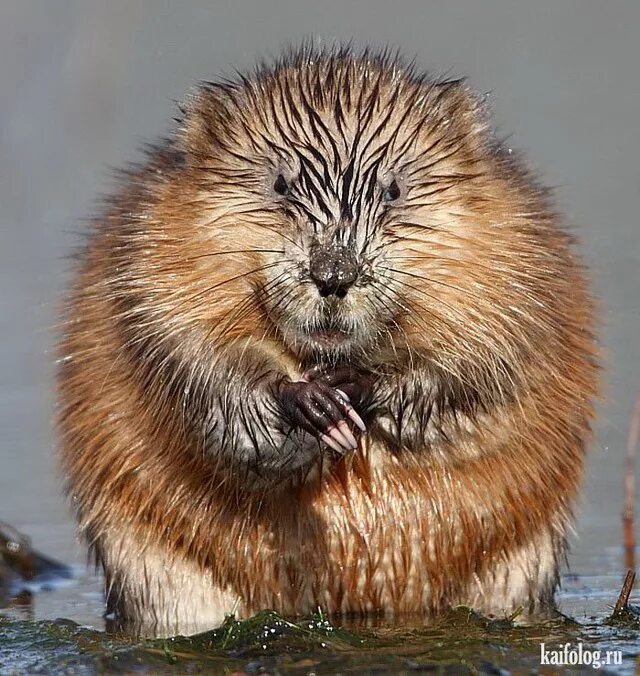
(460, 642)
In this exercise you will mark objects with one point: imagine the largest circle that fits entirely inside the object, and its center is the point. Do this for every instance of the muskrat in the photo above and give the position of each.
(328, 346)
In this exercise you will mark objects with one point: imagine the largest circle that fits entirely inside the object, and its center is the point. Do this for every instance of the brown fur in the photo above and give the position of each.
(497, 310)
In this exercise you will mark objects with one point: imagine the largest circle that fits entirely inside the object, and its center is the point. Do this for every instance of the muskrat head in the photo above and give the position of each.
(373, 203)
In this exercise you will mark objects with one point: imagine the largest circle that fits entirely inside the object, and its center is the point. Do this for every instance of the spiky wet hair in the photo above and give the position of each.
(391, 160)
(300, 109)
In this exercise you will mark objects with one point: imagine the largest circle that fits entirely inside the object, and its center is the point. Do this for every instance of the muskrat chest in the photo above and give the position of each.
(352, 548)
(374, 537)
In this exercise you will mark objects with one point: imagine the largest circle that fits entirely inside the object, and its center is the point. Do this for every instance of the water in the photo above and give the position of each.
(83, 83)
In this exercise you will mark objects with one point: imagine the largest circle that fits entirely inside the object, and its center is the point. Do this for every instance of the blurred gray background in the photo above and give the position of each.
(84, 83)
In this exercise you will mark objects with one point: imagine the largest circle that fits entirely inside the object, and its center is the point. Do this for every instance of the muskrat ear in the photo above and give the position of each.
(204, 119)
(459, 105)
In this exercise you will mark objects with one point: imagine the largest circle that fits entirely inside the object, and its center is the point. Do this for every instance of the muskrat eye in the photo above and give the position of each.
(281, 186)
(391, 192)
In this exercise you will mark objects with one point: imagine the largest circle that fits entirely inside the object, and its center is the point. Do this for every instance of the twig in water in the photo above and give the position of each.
(629, 488)
(623, 600)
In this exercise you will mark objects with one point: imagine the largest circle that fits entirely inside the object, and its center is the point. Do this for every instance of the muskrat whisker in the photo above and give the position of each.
(206, 291)
(414, 225)
(517, 272)
(433, 298)
(289, 296)
(454, 233)
(385, 328)
(428, 310)
(218, 222)
(437, 258)
(166, 314)
(500, 314)
(245, 306)
(410, 315)
(381, 291)
(284, 236)
(424, 278)
(447, 285)
(420, 324)
(277, 306)
(234, 251)
(237, 312)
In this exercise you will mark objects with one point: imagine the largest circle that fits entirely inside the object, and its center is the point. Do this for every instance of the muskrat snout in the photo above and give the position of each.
(333, 270)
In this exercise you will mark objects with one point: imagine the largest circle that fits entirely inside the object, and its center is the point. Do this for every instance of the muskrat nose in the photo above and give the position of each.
(333, 270)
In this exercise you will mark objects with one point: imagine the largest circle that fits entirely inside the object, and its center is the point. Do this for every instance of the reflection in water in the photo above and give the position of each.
(24, 571)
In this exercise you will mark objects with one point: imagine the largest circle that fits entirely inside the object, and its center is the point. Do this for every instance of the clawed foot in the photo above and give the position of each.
(356, 385)
(316, 406)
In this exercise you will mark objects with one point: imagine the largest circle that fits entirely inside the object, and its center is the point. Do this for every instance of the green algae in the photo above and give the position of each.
(460, 642)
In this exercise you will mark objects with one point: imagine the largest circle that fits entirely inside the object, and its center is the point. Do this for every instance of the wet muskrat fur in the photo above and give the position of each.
(327, 347)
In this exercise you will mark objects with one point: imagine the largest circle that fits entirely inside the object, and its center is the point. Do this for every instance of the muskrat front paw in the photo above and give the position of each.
(320, 410)
(356, 385)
